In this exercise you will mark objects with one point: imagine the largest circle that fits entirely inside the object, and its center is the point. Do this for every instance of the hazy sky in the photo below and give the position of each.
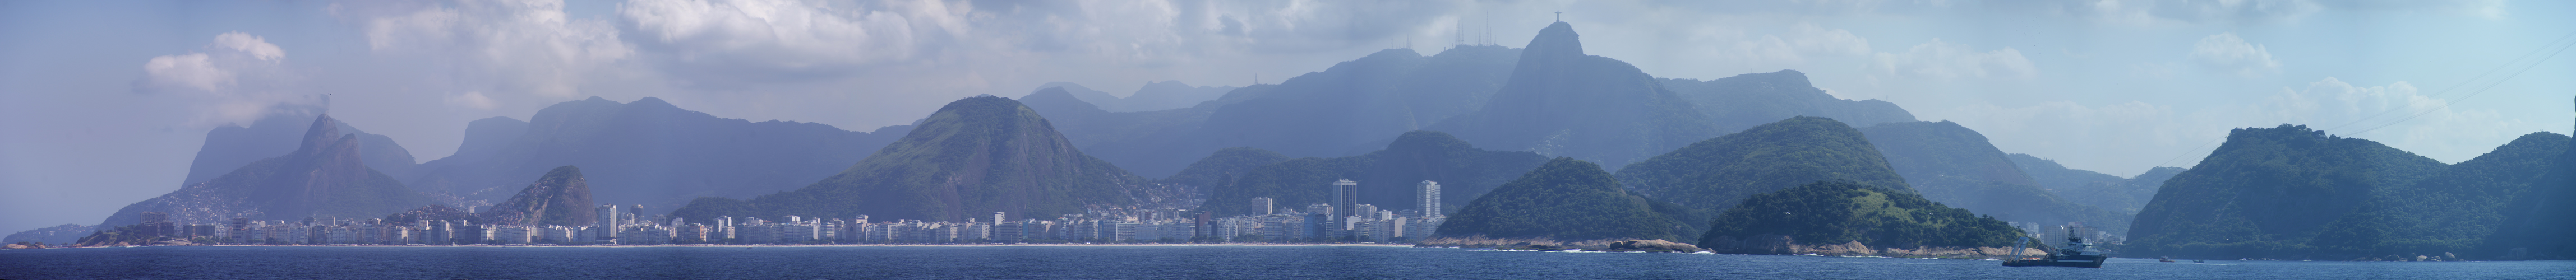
(103, 103)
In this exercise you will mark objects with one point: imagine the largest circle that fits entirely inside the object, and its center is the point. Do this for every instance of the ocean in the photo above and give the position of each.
(1134, 262)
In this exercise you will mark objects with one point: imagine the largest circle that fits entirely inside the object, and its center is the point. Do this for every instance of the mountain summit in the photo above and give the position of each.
(973, 157)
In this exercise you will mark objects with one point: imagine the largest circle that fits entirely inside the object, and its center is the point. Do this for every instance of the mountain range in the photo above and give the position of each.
(644, 152)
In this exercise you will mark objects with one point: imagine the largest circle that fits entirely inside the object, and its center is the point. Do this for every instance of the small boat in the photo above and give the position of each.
(2076, 253)
(2164, 259)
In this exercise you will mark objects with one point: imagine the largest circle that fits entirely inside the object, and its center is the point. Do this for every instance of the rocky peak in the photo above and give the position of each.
(324, 132)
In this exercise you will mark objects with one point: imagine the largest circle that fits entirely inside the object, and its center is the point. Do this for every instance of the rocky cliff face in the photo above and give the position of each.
(560, 198)
(324, 176)
(233, 146)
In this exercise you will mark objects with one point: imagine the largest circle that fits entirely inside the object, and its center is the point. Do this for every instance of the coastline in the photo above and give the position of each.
(813, 245)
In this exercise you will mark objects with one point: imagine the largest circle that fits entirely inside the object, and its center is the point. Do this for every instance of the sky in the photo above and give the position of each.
(103, 103)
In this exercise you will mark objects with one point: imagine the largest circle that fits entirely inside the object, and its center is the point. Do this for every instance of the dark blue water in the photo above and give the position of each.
(1185, 262)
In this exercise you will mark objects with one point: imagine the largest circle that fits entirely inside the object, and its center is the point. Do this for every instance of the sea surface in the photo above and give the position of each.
(1134, 262)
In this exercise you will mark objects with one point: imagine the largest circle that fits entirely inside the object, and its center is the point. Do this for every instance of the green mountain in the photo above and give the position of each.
(1716, 174)
(1388, 178)
(1837, 212)
(1956, 166)
(1562, 102)
(324, 176)
(973, 157)
(2540, 222)
(2269, 192)
(1747, 100)
(560, 198)
(2112, 193)
(2452, 211)
(1565, 199)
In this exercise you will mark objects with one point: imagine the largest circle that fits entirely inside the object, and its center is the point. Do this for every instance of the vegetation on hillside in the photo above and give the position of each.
(2269, 192)
(1715, 174)
(1566, 199)
(1836, 212)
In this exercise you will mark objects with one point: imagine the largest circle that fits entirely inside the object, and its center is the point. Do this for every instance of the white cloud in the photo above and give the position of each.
(1944, 61)
(2151, 12)
(2227, 52)
(2397, 114)
(790, 34)
(472, 99)
(1801, 42)
(495, 46)
(237, 78)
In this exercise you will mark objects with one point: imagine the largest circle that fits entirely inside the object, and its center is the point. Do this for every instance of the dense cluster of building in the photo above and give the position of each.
(1342, 220)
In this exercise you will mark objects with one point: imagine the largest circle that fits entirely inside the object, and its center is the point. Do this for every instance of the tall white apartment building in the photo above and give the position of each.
(1429, 194)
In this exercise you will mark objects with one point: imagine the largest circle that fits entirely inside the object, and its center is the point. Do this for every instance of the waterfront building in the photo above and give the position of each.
(1346, 194)
(1264, 203)
(240, 229)
(1123, 230)
(1429, 194)
(1010, 232)
(634, 215)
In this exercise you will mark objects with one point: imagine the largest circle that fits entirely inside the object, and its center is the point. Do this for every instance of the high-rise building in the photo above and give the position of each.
(997, 217)
(608, 216)
(635, 215)
(157, 224)
(240, 228)
(1430, 196)
(1265, 204)
(1346, 194)
(1364, 211)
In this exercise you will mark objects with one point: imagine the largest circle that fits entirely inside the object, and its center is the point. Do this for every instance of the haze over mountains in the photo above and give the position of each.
(645, 152)
(324, 176)
(1656, 158)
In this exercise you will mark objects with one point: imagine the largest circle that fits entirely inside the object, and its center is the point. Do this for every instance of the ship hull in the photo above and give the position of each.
(2092, 263)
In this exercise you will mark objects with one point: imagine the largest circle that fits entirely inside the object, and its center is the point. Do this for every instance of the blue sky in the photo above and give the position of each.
(105, 101)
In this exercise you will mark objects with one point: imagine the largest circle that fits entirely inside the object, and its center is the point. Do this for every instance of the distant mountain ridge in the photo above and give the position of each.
(1747, 100)
(1951, 164)
(1351, 108)
(645, 152)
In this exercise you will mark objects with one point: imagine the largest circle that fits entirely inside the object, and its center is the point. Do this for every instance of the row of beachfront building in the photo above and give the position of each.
(1316, 223)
